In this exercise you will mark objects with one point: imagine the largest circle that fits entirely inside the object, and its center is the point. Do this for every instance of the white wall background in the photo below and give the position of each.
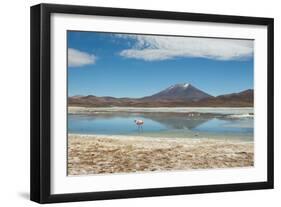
(14, 93)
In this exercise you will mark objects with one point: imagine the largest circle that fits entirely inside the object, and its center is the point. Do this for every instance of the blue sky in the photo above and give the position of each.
(120, 65)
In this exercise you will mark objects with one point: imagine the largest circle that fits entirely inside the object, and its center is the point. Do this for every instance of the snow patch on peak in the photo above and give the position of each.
(182, 85)
(171, 87)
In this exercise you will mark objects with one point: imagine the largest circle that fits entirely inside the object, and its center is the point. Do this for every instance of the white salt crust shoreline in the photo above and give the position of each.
(219, 110)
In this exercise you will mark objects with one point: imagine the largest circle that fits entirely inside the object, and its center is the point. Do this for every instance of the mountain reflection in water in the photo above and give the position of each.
(161, 124)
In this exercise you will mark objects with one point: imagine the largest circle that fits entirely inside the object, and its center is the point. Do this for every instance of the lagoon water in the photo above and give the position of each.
(178, 125)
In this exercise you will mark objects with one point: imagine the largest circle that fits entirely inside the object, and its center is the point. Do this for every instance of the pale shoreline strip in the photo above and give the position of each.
(219, 110)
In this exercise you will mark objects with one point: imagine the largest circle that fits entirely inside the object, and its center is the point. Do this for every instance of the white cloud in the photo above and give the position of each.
(153, 48)
(78, 58)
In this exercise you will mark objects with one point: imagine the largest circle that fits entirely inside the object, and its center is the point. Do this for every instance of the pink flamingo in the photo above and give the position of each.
(139, 123)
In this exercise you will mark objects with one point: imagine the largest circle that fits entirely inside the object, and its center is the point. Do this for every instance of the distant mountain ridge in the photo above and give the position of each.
(178, 95)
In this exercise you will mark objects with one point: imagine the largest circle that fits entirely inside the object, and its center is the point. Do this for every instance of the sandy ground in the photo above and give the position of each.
(92, 154)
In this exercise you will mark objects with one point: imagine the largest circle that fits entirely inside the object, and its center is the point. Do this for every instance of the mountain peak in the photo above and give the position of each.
(179, 85)
(183, 85)
(180, 91)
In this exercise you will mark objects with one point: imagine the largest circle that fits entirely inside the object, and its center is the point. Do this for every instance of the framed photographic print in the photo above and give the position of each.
(133, 103)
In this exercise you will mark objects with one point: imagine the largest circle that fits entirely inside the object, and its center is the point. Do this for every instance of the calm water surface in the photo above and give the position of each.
(162, 125)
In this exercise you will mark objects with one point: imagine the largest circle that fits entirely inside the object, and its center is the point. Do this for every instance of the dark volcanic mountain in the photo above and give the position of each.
(183, 91)
(178, 95)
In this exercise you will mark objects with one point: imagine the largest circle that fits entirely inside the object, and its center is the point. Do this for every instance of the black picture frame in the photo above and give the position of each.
(41, 98)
